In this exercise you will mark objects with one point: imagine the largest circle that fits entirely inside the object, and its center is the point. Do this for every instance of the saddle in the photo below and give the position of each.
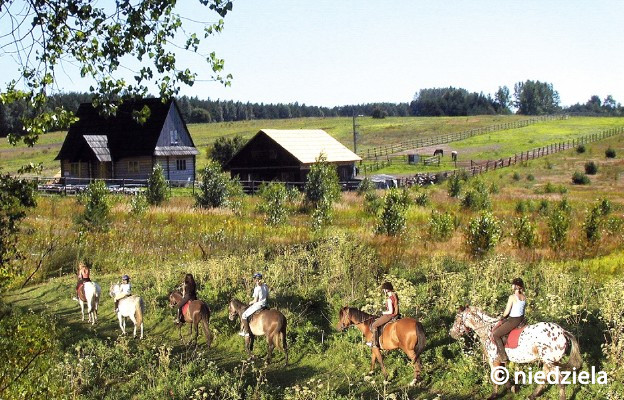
(383, 327)
(256, 312)
(511, 340)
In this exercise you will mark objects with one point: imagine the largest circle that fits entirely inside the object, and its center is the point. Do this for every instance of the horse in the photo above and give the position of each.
(454, 155)
(131, 307)
(89, 294)
(438, 152)
(268, 322)
(544, 342)
(406, 334)
(194, 312)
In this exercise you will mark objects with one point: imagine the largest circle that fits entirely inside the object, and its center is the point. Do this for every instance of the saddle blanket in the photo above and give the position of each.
(511, 340)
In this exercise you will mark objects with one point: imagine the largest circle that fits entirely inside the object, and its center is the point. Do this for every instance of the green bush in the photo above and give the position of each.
(224, 148)
(421, 199)
(477, 198)
(591, 168)
(96, 199)
(454, 186)
(593, 224)
(580, 149)
(274, 197)
(525, 232)
(605, 207)
(138, 204)
(530, 177)
(157, 189)
(610, 152)
(213, 190)
(365, 186)
(393, 219)
(441, 226)
(372, 203)
(558, 224)
(322, 189)
(521, 207)
(579, 178)
(550, 188)
(483, 234)
(543, 207)
(516, 176)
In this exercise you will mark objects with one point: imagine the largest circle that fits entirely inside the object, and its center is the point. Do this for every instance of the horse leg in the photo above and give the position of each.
(271, 346)
(134, 321)
(495, 386)
(380, 359)
(196, 323)
(540, 388)
(121, 325)
(81, 309)
(416, 364)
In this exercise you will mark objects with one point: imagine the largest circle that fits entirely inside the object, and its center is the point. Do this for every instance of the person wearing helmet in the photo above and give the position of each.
(124, 291)
(392, 310)
(512, 317)
(260, 295)
(189, 292)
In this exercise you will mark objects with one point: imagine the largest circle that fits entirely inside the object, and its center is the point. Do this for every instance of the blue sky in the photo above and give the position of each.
(344, 52)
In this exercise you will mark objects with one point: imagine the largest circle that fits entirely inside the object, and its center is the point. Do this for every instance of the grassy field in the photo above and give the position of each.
(311, 275)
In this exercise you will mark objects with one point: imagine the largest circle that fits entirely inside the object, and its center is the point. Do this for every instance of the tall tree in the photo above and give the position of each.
(503, 99)
(535, 98)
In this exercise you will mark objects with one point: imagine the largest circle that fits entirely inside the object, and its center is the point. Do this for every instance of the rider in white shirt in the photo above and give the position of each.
(124, 291)
(260, 295)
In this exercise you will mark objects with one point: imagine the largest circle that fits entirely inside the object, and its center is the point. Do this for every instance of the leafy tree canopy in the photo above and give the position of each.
(45, 36)
(536, 98)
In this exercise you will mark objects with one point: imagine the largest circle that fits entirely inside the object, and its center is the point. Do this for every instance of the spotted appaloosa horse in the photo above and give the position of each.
(544, 342)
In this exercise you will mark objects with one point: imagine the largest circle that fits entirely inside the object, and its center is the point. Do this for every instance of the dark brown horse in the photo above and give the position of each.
(406, 334)
(196, 312)
(270, 323)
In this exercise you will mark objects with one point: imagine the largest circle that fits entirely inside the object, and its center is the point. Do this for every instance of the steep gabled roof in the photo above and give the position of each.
(126, 137)
(307, 144)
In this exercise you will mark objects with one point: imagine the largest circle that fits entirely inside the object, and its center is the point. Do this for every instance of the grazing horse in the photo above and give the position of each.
(454, 155)
(129, 307)
(438, 152)
(406, 334)
(268, 322)
(89, 295)
(194, 312)
(544, 342)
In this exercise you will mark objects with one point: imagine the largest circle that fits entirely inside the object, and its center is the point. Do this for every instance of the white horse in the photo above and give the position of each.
(91, 299)
(129, 307)
(544, 342)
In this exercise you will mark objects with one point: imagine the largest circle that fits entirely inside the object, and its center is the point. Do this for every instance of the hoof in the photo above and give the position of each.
(413, 382)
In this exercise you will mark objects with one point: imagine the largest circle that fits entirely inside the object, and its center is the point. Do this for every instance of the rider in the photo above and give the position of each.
(260, 295)
(512, 317)
(83, 274)
(124, 291)
(189, 292)
(392, 310)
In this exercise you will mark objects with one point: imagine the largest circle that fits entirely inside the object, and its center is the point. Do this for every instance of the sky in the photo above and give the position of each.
(330, 53)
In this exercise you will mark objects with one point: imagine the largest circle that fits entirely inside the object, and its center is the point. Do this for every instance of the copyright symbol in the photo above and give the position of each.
(499, 375)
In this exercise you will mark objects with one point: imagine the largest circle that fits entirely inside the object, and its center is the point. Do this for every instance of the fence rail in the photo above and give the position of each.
(387, 150)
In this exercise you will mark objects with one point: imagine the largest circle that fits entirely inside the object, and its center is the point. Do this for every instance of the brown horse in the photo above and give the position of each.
(197, 311)
(270, 323)
(406, 334)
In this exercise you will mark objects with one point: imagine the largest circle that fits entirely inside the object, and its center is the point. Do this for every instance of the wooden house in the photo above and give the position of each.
(286, 155)
(118, 147)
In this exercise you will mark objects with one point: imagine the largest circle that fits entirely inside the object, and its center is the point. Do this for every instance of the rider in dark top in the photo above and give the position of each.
(392, 310)
(189, 292)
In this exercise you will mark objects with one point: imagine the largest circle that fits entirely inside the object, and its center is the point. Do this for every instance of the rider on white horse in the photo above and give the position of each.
(260, 295)
(124, 291)
(512, 317)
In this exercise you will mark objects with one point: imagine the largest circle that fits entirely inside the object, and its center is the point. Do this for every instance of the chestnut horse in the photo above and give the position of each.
(196, 312)
(270, 323)
(406, 334)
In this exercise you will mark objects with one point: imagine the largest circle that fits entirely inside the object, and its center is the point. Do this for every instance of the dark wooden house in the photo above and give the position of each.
(118, 147)
(286, 155)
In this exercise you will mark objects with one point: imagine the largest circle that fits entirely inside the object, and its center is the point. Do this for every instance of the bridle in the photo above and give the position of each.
(342, 326)
(467, 329)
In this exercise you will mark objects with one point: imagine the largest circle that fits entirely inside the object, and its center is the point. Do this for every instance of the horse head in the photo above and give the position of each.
(344, 319)
(232, 309)
(114, 289)
(174, 298)
(460, 326)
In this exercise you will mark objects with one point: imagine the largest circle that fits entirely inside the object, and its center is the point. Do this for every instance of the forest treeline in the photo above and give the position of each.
(529, 98)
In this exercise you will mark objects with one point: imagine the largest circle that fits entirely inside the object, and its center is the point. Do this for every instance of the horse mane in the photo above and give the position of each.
(359, 315)
(482, 315)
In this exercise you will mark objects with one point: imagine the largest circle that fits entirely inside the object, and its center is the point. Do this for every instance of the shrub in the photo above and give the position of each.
(441, 226)
(550, 188)
(580, 149)
(454, 186)
(610, 152)
(593, 224)
(525, 233)
(605, 207)
(516, 176)
(322, 189)
(521, 207)
(579, 178)
(372, 203)
(564, 205)
(422, 199)
(591, 168)
(138, 204)
(274, 197)
(365, 186)
(483, 234)
(477, 198)
(157, 188)
(379, 113)
(558, 224)
(96, 214)
(213, 188)
(530, 178)
(494, 188)
(543, 207)
(392, 219)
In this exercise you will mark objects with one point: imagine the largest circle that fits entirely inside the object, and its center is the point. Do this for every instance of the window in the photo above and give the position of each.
(181, 165)
(174, 136)
(74, 169)
(133, 166)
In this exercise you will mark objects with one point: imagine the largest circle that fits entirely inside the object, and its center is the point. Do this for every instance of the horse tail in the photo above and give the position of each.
(205, 319)
(422, 340)
(575, 360)
(139, 309)
(282, 336)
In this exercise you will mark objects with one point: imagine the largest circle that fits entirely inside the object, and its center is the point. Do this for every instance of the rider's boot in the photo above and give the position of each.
(376, 337)
(502, 354)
